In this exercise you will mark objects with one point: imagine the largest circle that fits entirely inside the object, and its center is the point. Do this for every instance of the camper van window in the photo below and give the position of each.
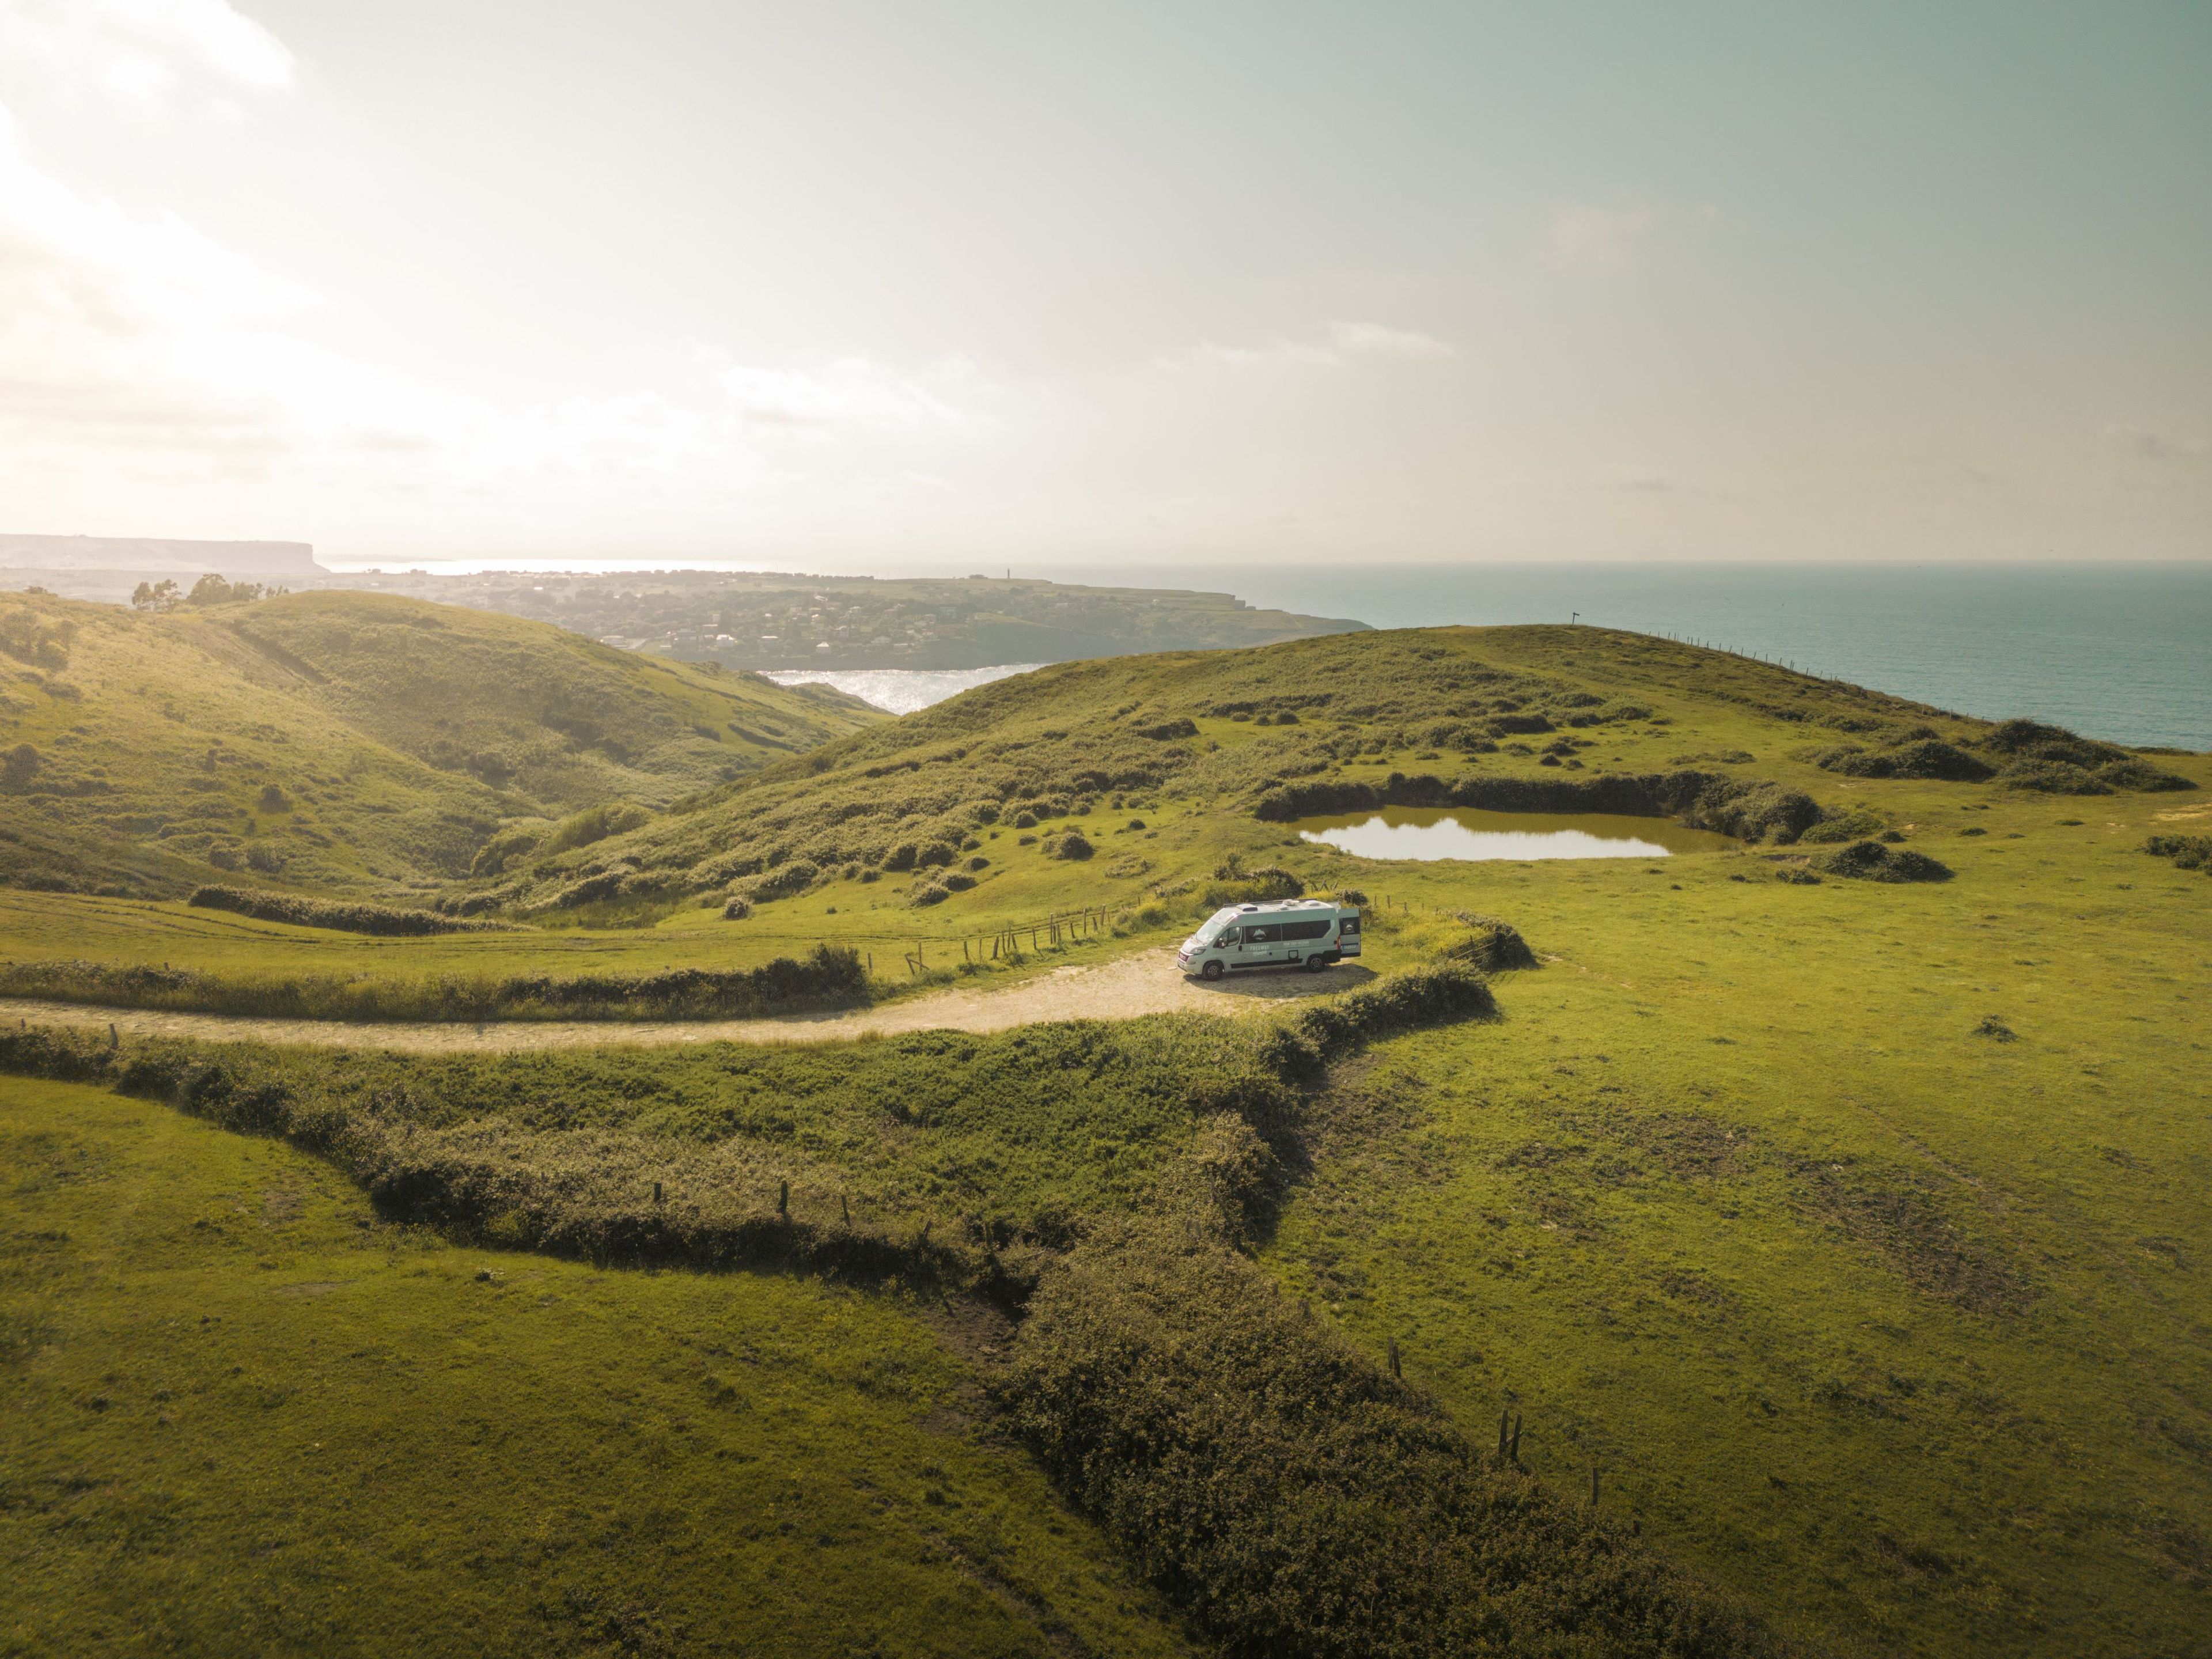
(1263, 935)
(1349, 925)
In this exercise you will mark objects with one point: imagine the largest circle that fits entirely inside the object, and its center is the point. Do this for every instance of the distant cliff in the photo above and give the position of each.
(109, 567)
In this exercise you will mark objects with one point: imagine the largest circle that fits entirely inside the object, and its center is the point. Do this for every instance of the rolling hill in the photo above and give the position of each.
(345, 742)
(1517, 717)
(1814, 1233)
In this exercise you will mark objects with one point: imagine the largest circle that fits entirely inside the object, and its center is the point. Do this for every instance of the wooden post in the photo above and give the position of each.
(1395, 1369)
(845, 1209)
(1517, 1440)
(1501, 1436)
(1593, 1485)
(783, 1199)
(656, 1193)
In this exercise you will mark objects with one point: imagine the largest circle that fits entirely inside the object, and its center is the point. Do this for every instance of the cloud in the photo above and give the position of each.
(1375, 339)
(1595, 237)
(1340, 345)
(140, 53)
(850, 391)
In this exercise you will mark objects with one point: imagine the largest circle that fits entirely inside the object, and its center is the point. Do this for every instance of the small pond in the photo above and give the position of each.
(1456, 832)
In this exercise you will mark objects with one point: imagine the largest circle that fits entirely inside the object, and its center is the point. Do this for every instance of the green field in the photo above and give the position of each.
(342, 742)
(244, 1415)
(1849, 1229)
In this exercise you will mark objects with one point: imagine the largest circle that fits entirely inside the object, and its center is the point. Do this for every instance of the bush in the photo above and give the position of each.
(1927, 757)
(1264, 886)
(2143, 776)
(736, 910)
(785, 881)
(901, 857)
(831, 976)
(302, 912)
(1296, 1500)
(932, 894)
(1072, 844)
(1492, 945)
(594, 823)
(2187, 852)
(1869, 860)
(1167, 731)
(1025, 820)
(2052, 777)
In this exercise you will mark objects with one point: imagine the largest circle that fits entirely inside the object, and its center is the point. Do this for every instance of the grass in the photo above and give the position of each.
(1852, 1231)
(1887, 1324)
(245, 1414)
(341, 742)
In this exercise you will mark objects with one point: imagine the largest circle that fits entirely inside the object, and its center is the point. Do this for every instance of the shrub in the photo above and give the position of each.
(2052, 777)
(2143, 776)
(302, 912)
(1261, 886)
(831, 975)
(1869, 860)
(901, 857)
(736, 909)
(1167, 731)
(594, 823)
(1296, 1500)
(1025, 820)
(1492, 945)
(932, 894)
(19, 766)
(955, 882)
(1927, 757)
(936, 855)
(2187, 852)
(784, 881)
(1072, 845)
(1857, 825)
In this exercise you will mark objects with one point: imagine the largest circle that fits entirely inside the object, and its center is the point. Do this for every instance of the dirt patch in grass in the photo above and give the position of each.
(1894, 1215)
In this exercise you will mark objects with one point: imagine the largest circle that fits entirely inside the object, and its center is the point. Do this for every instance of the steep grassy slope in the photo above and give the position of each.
(341, 741)
(243, 1414)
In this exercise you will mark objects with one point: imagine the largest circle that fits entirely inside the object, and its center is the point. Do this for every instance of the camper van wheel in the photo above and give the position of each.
(1316, 963)
(1211, 970)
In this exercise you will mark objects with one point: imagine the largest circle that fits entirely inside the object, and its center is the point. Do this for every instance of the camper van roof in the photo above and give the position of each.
(1276, 907)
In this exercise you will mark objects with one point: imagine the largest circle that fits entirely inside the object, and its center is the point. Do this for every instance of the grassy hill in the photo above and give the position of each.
(342, 741)
(1848, 1228)
(245, 1414)
(1521, 718)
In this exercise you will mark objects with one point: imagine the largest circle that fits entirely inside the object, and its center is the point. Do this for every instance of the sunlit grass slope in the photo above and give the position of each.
(1159, 764)
(244, 1415)
(341, 741)
(1855, 1232)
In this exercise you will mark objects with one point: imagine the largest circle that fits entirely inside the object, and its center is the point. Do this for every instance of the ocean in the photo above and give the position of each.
(2122, 652)
(2117, 651)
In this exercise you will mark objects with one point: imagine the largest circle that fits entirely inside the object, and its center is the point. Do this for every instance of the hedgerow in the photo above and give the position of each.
(832, 975)
(1296, 1500)
(301, 911)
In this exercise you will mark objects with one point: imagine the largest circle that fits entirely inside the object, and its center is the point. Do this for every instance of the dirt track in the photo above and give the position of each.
(1145, 984)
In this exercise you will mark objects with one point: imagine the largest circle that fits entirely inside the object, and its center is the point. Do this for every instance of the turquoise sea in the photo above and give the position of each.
(2122, 652)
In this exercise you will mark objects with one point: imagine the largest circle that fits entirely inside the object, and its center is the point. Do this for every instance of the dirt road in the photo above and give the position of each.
(1143, 984)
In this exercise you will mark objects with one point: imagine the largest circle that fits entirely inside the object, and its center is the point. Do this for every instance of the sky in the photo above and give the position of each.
(958, 286)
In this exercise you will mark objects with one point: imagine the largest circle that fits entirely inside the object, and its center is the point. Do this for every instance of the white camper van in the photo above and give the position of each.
(1309, 933)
